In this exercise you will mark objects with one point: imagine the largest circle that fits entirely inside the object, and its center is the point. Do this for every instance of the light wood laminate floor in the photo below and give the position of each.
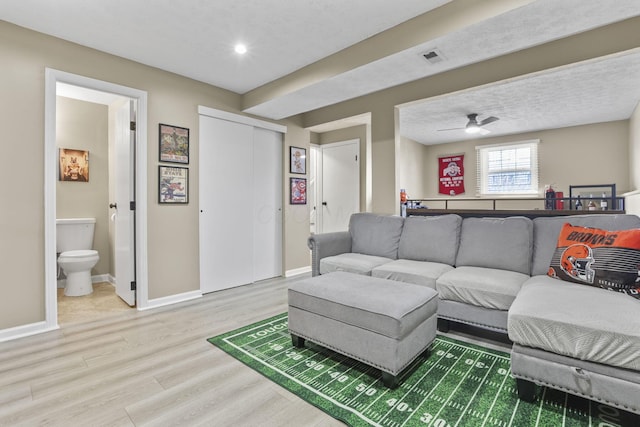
(151, 368)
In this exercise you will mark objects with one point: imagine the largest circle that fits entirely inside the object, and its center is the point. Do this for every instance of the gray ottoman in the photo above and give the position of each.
(383, 323)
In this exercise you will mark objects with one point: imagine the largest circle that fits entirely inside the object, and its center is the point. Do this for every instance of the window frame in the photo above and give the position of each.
(482, 173)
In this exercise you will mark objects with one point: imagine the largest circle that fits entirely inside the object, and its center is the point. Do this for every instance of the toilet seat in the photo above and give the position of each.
(78, 254)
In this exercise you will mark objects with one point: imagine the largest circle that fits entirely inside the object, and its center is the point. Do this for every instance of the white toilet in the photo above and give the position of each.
(74, 240)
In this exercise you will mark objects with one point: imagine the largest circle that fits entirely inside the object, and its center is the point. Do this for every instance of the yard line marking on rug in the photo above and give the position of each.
(495, 399)
(457, 386)
(475, 393)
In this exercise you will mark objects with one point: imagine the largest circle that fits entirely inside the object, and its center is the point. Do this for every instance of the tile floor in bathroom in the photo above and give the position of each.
(102, 302)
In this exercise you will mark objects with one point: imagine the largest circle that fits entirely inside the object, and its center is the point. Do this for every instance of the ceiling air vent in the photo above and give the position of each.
(433, 56)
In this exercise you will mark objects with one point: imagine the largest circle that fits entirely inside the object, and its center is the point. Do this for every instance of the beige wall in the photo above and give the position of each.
(173, 257)
(412, 166)
(84, 126)
(580, 155)
(297, 224)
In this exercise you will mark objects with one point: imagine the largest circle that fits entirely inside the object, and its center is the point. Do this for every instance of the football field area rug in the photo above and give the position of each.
(458, 384)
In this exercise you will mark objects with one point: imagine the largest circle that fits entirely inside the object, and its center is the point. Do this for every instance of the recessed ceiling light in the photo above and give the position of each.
(240, 49)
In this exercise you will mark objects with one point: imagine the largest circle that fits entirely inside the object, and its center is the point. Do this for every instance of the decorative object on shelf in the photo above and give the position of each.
(74, 165)
(451, 174)
(174, 144)
(298, 161)
(603, 197)
(298, 191)
(173, 185)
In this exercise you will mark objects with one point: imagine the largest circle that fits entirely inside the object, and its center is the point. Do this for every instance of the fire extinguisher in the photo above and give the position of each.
(550, 198)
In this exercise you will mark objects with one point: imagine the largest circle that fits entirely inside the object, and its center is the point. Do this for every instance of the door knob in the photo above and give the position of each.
(113, 205)
(324, 203)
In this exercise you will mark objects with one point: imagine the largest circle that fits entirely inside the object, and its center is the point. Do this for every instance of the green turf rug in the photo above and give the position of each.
(459, 384)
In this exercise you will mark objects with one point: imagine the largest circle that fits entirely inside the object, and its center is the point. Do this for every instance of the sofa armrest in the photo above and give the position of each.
(327, 244)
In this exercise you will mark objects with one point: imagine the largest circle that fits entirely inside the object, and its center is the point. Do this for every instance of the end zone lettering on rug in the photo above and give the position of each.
(460, 384)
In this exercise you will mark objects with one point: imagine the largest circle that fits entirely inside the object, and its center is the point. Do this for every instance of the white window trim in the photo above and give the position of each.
(535, 170)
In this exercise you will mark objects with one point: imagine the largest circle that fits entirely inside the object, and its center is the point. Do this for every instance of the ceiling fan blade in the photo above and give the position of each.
(442, 130)
(488, 120)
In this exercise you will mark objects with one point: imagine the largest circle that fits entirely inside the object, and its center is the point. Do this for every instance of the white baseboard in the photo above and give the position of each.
(25, 331)
(99, 278)
(172, 299)
(297, 271)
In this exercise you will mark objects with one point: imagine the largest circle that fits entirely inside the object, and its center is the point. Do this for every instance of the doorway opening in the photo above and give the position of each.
(118, 202)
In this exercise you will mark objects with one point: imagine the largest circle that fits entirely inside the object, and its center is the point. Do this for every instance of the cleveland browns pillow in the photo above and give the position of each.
(596, 257)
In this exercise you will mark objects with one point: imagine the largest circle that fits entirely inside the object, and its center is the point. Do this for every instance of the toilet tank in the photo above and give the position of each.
(74, 234)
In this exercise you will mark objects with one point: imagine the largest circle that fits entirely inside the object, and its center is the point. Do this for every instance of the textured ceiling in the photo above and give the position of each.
(594, 91)
(195, 38)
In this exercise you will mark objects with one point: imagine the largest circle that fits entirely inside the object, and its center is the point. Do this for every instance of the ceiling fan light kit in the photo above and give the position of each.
(473, 126)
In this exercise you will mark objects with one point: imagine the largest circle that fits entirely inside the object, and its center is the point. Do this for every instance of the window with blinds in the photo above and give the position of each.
(507, 169)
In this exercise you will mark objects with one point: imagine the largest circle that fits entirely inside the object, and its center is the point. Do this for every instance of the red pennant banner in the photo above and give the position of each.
(451, 175)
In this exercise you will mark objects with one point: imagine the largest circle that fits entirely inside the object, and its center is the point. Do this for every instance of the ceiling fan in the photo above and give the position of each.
(475, 126)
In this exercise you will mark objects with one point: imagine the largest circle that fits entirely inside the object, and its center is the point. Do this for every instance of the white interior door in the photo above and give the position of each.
(267, 204)
(226, 214)
(340, 184)
(125, 193)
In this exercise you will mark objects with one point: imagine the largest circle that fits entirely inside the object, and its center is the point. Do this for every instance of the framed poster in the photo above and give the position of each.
(451, 175)
(174, 144)
(298, 160)
(298, 191)
(74, 165)
(173, 185)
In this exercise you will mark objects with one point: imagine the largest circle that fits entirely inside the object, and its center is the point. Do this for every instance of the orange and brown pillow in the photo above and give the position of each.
(596, 257)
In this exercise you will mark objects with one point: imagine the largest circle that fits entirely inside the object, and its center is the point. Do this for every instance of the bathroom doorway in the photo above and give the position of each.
(114, 194)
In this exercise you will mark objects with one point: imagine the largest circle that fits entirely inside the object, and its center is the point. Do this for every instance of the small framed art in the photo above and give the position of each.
(298, 160)
(174, 144)
(298, 191)
(74, 165)
(173, 185)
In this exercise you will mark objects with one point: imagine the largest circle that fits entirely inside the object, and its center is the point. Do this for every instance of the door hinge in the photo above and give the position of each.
(356, 157)
(132, 126)
(132, 206)
(133, 286)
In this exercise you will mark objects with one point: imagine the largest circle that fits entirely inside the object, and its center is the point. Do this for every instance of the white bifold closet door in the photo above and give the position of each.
(240, 204)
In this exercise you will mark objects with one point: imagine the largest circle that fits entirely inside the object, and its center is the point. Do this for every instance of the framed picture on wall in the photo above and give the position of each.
(298, 191)
(174, 144)
(74, 165)
(173, 185)
(298, 160)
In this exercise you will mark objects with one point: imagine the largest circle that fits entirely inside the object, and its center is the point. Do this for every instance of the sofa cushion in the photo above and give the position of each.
(430, 238)
(483, 287)
(376, 235)
(546, 231)
(596, 257)
(503, 243)
(582, 322)
(417, 272)
(352, 263)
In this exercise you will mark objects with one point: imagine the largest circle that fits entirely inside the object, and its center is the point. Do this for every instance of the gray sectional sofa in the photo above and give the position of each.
(492, 273)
